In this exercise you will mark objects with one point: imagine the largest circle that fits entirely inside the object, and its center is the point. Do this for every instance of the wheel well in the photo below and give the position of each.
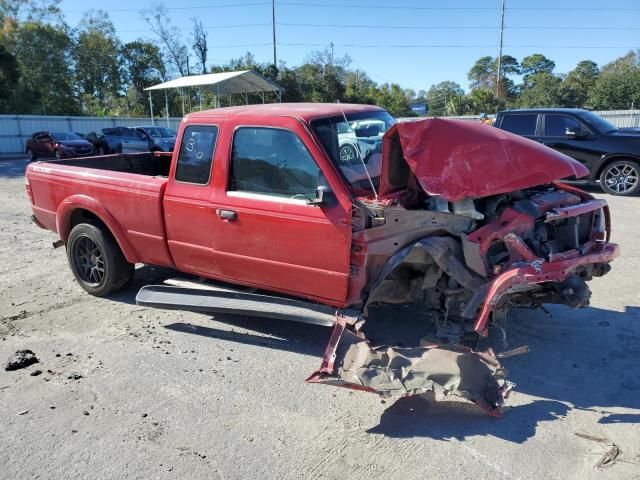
(80, 215)
(609, 161)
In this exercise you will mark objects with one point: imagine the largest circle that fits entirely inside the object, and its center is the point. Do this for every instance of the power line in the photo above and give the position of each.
(191, 7)
(453, 27)
(355, 45)
(411, 7)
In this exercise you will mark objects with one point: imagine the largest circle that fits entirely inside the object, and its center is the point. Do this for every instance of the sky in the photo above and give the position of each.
(415, 44)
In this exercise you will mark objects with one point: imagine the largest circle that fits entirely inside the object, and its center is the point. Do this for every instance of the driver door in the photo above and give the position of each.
(266, 234)
(554, 135)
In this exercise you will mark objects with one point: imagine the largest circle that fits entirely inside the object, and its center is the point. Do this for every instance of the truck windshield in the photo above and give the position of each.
(353, 142)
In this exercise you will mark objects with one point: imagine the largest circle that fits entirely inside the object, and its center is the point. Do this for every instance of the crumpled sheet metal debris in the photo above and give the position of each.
(354, 363)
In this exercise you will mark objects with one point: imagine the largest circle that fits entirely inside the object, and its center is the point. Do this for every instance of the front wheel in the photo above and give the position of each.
(621, 178)
(96, 260)
(32, 156)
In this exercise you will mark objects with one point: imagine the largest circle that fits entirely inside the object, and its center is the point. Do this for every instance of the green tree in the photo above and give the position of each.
(534, 64)
(9, 76)
(578, 83)
(618, 85)
(484, 100)
(541, 89)
(142, 67)
(484, 73)
(393, 98)
(442, 96)
(43, 53)
(97, 61)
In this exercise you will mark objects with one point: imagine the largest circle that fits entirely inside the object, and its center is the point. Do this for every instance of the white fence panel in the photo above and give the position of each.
(16, 129)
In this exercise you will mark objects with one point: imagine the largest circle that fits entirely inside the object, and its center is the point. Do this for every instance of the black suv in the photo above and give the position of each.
(612, 155)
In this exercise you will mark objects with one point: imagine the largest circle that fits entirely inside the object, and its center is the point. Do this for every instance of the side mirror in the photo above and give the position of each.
(576, 133)
(322, 194)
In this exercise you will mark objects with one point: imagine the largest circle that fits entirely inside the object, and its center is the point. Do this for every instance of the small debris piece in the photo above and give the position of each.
(608, 457)
(23, 412)
(85, 413)
(21, 359)
(74, 376)
(144, 415)
(35, 373)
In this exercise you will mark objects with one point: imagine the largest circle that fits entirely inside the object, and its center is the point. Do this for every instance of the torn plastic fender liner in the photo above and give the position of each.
(446, 252)
(351, 361)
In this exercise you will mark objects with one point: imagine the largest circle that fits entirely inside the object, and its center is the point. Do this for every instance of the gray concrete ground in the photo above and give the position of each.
(130, 392)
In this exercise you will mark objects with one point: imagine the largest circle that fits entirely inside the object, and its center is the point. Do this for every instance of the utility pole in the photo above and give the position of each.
(500, 53)
(273, 25)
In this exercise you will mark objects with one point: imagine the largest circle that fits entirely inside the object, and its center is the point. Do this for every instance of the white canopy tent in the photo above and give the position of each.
(242, 82)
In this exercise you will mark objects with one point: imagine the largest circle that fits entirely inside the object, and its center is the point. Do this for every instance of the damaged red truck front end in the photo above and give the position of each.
(486, 227)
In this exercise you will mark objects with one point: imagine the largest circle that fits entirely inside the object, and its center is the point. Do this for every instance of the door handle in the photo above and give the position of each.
(227, 215)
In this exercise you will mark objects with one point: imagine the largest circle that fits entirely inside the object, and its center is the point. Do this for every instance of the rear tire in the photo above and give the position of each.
(96, 260)
(621, 177)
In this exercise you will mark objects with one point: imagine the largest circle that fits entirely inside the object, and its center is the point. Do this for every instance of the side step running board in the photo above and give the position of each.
(237, 303)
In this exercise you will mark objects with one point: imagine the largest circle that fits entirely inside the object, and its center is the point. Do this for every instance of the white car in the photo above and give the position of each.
(365, 135)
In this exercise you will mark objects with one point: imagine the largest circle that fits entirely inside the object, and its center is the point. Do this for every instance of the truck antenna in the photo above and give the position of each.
(358, 151)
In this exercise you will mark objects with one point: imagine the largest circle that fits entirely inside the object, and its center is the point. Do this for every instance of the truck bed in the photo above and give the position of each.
(125, 191)
(147, 163)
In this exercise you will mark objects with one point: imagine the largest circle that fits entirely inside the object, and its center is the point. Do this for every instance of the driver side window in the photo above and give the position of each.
(558, 125)
(272, 161)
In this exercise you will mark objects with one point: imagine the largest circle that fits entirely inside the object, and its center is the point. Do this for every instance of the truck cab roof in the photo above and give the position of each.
(305, 111)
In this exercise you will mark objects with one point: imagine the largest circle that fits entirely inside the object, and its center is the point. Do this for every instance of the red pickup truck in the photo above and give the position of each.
(462, 219)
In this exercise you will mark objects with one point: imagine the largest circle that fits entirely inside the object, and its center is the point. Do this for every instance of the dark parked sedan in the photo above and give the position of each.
(119, 140)
(611, 154)
(58, 145)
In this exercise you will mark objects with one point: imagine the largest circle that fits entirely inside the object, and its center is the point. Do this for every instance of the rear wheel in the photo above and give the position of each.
(621, 177)
(56, 153)
(96, 260)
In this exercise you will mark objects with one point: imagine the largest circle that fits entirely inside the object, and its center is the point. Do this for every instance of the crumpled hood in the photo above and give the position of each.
(459, 159)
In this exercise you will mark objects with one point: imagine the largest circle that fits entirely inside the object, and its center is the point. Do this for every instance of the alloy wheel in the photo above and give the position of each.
(621, 178)
(89, 261)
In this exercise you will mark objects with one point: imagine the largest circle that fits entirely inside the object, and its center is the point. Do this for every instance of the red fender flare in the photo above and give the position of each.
(74, 202)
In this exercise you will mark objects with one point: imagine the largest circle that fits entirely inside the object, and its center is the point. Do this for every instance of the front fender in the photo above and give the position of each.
(84, 202)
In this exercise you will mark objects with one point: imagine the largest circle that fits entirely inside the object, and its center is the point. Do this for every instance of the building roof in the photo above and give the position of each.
(243, 81)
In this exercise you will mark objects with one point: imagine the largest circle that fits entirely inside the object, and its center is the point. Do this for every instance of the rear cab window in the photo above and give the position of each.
(520, 123)
(271, 162)
(196, 154)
